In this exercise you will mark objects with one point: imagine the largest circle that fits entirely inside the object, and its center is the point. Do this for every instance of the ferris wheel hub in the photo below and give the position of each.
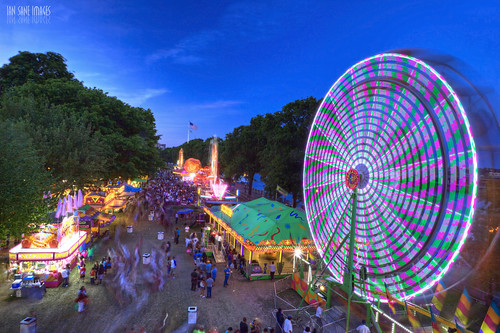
(364, 175)
(352, 179)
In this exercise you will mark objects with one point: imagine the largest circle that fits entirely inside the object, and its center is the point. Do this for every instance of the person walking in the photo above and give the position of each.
(227, 273)
(93, 273)
(244, 325)
(82, 273)
(100, 273)
(319, 317)
(194, 280)
(288, 327)
(363, 328)
(256, 326)
(177, 234)
(202, 286)
(214, 272)
(173, 265)
(82, 299)
(65, 276)
(210, 284)
(272, 269)
(280, 320)
(208, 267)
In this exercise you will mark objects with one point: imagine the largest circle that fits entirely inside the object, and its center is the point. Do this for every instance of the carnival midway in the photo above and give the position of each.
(390, 192)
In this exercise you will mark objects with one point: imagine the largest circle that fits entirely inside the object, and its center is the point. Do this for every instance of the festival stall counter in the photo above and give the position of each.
(263, 231)
(98, 200)
(89, 223)
(45, 253)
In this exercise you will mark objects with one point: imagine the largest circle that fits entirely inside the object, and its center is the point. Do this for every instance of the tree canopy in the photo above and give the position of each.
(79, 135)
(23, 180)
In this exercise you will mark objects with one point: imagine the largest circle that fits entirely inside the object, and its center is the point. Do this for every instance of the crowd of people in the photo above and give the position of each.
(162, 192)
(205, 278)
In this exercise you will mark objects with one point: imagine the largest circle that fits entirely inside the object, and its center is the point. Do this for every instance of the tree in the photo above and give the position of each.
(282, 159)
(240, 156)
(23, 181)
(118, 140)
(35, 67)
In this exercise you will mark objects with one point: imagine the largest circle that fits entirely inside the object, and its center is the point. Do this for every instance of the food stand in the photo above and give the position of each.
(263, 231)
(46, 252)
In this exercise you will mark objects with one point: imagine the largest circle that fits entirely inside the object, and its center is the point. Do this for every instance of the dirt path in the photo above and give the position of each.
(56, 313)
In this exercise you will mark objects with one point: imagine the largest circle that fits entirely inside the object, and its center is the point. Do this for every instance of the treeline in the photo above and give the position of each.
(273, 146)
(196, 148)
(56, 134)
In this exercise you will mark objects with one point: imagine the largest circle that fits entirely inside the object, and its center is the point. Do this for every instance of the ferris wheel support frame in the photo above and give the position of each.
(348, 279)
(349, 273)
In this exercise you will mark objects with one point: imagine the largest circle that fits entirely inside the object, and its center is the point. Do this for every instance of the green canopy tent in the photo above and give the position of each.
(263, 225)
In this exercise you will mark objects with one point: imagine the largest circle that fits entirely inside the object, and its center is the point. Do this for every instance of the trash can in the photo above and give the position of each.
(28, 325)
(161, 235)
(146, 258)
(130, 229)
(192, 313)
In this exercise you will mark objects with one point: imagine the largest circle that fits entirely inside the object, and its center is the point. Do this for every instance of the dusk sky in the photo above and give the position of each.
(219, 63)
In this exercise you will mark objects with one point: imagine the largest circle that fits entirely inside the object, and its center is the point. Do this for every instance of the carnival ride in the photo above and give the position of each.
(390, 178)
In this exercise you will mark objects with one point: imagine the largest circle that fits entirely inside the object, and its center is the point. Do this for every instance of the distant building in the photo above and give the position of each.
(161, 146)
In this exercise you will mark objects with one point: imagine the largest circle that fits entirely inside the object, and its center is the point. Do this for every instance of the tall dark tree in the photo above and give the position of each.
(240, 156)
(282, 158)
(120, 139)
(33, 67)
(23, 181)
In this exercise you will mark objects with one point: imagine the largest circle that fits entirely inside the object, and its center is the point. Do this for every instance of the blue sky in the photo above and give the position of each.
(219, 63)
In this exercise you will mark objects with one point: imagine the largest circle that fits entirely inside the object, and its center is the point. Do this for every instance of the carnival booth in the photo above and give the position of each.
(263, 231)
(129, 191)
(105, 219)
(138, 182)
(46, 252)
(89, 223)
(96, 200)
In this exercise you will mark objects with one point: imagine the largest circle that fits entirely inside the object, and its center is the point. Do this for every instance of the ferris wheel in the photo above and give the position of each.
(393, 131)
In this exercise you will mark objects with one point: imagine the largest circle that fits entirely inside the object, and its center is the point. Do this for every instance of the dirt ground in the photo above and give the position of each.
(56, 311)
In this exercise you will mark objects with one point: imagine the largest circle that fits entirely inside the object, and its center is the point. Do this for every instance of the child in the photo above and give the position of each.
(82, 273)
(92, 275)
(202, 287)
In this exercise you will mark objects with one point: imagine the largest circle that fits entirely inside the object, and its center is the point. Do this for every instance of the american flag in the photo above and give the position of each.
(192, 126)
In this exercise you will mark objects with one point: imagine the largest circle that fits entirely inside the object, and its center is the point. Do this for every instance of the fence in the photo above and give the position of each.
(333, 320)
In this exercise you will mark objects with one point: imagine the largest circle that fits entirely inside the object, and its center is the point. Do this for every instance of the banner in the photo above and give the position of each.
(281, 190)
(412, 318)
(463, 308)
(435, 325)
(459, 328)
(492, 320)
(439, 296)
(389, 299)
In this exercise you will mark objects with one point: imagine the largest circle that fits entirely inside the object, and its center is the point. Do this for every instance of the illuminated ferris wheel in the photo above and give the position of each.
(391, 140)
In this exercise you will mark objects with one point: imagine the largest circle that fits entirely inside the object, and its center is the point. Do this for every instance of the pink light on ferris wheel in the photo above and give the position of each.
(219, 190)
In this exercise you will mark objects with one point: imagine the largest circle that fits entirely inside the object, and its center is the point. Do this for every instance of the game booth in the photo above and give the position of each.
(100, 199)
(263, 231)
(89, 223)
(42, 255)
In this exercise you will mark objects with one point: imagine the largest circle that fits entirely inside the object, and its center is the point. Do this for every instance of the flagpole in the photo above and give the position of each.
(188, 133)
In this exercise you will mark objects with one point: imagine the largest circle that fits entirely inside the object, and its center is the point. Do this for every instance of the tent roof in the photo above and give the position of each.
(268, 223)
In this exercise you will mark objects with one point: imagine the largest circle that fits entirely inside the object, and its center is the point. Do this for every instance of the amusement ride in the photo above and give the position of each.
(390, 179)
